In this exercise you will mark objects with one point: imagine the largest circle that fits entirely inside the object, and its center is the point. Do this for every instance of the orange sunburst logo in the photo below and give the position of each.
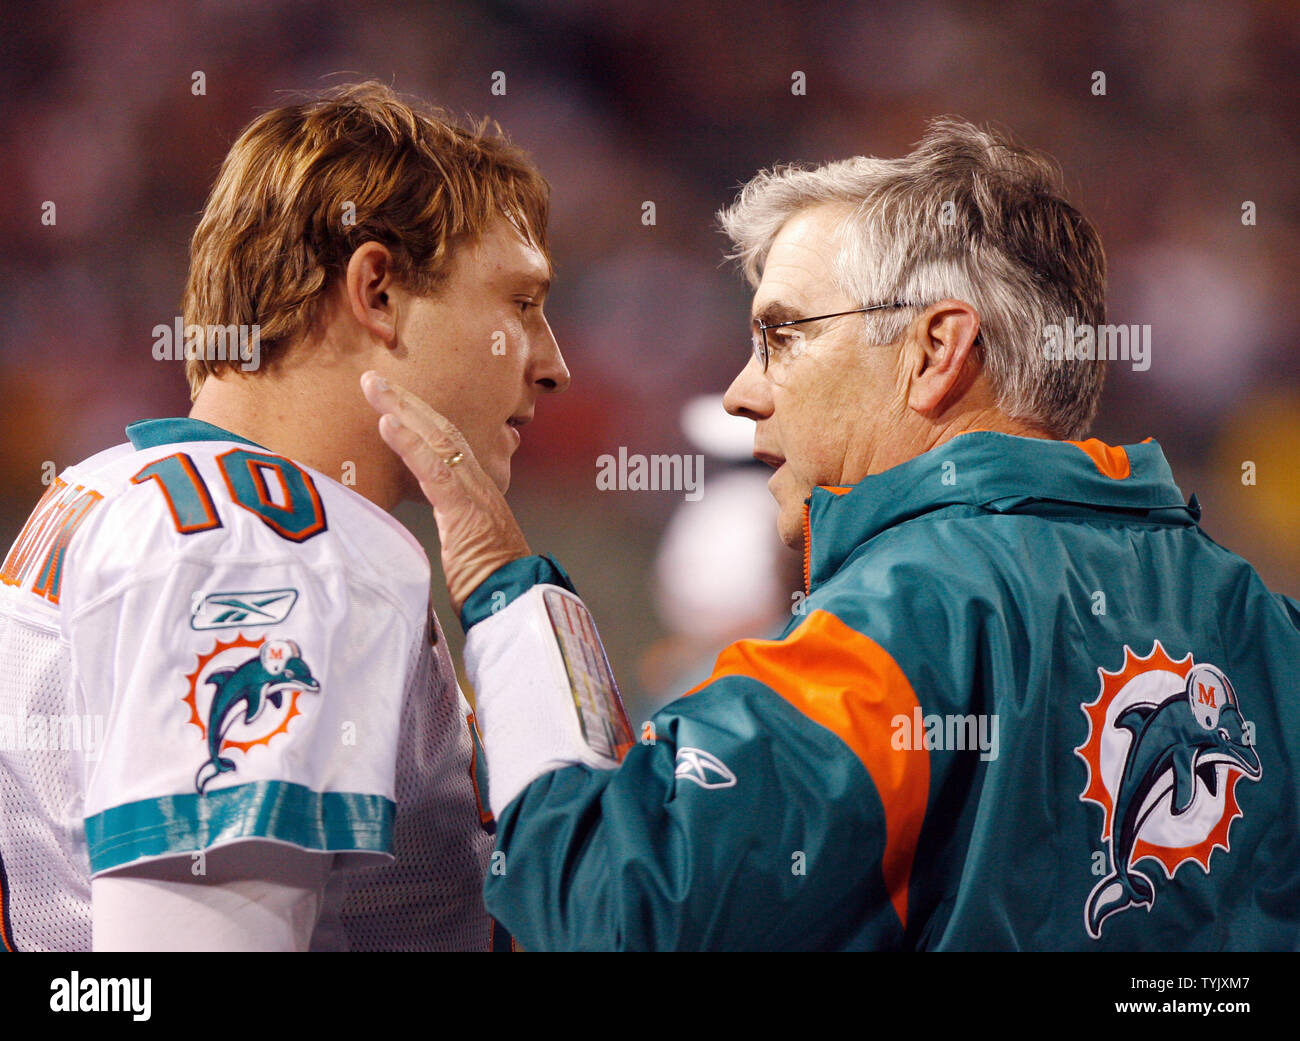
(261, 691)
(1166, 747)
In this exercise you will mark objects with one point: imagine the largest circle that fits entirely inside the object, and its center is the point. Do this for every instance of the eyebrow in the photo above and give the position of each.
(534, 279)
(773, 312)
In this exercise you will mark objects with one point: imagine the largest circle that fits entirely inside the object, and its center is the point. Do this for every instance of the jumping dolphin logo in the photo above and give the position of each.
(278, 667)
(1176, 750)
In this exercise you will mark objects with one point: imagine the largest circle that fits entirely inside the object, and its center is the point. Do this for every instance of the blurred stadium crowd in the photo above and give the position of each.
(643, 101)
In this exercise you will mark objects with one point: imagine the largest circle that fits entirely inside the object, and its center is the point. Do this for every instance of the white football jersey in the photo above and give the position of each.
(203, 643)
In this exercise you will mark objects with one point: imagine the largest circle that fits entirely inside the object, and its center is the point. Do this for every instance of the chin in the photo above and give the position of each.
(791, 535)
(789, 518)
(501, 476)
(789, 524)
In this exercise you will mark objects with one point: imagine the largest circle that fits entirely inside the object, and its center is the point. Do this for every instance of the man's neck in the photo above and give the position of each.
(920, 436)
(991, 420)
(308, 424)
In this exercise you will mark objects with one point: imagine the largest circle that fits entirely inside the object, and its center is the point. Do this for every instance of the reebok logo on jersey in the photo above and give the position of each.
(704, 768)
(237, 699)
(1167, 744)
(228, 610)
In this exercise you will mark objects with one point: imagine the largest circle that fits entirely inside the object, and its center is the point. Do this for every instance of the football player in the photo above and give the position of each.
(231, 694)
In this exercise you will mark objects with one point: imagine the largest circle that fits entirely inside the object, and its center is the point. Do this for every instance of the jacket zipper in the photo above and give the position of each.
(807, 548)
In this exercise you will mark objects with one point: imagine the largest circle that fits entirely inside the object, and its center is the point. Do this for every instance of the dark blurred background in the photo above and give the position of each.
(676, 104)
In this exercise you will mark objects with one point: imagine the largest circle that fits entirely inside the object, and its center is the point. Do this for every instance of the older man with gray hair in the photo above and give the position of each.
(1026, 702)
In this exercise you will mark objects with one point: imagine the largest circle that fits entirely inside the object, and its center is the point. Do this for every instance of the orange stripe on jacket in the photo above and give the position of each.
(849, 684)
(1111, 460)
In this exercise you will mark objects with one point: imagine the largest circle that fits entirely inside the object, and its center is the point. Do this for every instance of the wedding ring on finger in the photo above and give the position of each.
(454, 459)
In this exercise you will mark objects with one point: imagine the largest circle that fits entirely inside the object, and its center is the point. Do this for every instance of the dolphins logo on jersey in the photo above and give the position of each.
(1167, 744)
(247, 703)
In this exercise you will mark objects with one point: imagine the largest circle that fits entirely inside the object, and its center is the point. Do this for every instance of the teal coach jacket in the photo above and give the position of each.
(1026, 703)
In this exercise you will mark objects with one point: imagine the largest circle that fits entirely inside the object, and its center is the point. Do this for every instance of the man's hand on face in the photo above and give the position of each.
(475, 526)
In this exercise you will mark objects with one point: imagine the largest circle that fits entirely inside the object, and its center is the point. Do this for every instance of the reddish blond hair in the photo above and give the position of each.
(306, 184)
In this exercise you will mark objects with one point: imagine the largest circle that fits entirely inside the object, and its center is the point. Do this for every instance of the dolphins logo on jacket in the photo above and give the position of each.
(242, 693)
(1185, 752)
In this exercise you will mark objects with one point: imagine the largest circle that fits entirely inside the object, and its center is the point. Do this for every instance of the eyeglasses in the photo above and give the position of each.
(759, 333)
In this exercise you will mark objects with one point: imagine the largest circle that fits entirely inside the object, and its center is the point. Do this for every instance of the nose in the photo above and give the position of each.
(749, 395)
(549, 372)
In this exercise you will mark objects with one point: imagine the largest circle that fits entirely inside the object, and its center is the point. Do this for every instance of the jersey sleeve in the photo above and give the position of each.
(245, 694)
(771, 808)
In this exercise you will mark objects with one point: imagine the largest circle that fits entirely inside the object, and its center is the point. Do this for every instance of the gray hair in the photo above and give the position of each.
(968, 215)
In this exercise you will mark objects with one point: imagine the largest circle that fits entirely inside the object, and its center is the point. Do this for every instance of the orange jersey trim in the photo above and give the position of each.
(1111, 461)
(849, 684)
(6, 940)
(475, 741)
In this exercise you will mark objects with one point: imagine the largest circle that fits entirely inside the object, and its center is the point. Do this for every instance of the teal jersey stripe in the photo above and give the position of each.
(292, 813)
(154, 433)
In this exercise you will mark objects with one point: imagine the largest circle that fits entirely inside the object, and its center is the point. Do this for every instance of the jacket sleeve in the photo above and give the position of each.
(769, 809)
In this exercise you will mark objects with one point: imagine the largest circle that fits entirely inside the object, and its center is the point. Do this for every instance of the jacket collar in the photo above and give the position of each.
(992, 472)
(153, 433)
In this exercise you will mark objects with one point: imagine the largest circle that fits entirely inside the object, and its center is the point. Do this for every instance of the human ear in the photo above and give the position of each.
(947, 360)
(366, 286)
